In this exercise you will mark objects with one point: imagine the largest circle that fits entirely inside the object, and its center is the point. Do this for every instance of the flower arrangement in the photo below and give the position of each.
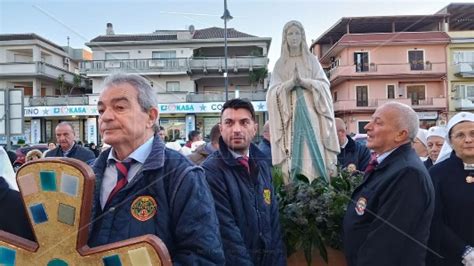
(311, 214)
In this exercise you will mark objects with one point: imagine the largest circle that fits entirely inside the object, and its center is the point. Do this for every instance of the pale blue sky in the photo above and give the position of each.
(83, 20)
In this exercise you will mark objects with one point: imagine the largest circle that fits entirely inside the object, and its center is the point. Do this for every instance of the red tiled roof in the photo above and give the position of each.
(218, 33)
(394, 37)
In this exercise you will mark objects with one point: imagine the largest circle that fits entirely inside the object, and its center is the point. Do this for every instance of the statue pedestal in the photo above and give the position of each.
(335, 258)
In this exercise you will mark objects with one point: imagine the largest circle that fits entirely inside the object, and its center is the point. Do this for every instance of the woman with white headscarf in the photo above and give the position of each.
(6, 170)
(434, 143)
(420, 144)
(452, 229)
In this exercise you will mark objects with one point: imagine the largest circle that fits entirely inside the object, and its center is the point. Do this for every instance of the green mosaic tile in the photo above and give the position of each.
(66, 214)
(48, 180)
(57, 262)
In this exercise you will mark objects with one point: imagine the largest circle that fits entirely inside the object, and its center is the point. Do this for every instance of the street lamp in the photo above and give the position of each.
(226, 17)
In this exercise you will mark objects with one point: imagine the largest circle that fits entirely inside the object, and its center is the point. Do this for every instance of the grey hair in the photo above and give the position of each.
(65, 123)
(146, 94)
(406, 119)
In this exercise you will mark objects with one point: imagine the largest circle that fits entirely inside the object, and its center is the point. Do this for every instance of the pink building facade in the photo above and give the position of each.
(370, 62)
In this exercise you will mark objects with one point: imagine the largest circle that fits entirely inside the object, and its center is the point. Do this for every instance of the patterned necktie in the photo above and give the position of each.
(372, 164)
(244, 161)
(122, 172)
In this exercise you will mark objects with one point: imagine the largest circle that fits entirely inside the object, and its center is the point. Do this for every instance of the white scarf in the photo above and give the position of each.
(6, 170)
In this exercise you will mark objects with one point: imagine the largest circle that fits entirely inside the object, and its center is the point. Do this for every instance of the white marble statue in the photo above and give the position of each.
(301, 113)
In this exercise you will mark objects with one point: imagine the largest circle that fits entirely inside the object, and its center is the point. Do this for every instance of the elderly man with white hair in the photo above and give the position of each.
(452, 229)
(434, 141)
(388, 219)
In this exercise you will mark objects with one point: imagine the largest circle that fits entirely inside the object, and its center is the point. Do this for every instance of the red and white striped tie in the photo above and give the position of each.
(122, 172)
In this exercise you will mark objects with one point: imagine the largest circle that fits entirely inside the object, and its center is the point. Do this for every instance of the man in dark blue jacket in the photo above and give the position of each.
(144, 188)
(265, 146)
(351, 152)
(67, 146)
(388, 220)
(241, 185)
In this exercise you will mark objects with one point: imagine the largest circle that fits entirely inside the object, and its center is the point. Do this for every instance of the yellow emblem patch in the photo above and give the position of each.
(143, 208)
(267, 196)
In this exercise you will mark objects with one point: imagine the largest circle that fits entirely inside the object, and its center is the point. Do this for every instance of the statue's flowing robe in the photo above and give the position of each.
(302, 127)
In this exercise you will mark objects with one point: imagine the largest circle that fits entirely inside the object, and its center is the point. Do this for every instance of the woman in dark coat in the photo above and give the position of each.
(13, 218)
(452, 229)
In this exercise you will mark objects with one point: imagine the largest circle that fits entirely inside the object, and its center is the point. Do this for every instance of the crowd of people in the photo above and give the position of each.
(216, 202)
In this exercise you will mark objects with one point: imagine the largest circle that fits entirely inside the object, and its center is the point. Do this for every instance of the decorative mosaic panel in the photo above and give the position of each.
(58, 197)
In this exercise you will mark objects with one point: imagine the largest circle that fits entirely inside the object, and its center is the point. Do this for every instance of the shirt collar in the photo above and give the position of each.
(384, 155)
(139, 155)
(345, 143)
(237, 155)
(69, 150)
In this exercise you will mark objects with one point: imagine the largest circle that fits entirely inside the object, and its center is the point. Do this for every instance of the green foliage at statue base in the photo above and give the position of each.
(311, 214)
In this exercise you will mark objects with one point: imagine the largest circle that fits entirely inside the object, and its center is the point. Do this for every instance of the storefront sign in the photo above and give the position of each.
(210, 107)
(171, 108)
(35, 130)
(42, 111)
(427, 115)
(91, 130)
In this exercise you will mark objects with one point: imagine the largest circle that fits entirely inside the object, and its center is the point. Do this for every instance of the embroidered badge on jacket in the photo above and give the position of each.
(360, 206)
(267, 196)
(143, 208)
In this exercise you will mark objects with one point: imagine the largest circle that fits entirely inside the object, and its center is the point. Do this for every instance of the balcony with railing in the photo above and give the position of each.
(372, 104)
(172, 65)
(59, 100)
(464, 69)
(41, 69)
(234, 64)
(149, 65)
(386, 69)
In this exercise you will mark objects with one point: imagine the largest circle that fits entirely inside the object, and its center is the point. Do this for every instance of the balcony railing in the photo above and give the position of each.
(432, 102)
(134, 65)
(464, 69)
(182, 65)
(233, 64)
(35, 69)
(220, 96)
(463, 104)
(388, 69)
(56, 100)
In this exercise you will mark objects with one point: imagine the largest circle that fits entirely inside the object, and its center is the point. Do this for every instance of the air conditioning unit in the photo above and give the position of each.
(66, 60)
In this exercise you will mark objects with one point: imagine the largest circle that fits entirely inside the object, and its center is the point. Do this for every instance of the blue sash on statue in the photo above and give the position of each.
(303, 134)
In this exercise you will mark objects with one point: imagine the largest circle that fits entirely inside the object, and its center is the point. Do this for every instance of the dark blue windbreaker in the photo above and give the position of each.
(247, 208)
(185, 219)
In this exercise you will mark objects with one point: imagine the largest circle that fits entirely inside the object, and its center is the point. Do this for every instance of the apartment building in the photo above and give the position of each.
(187, 68)
(372, 60)
(48, 76)
(460, 53)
